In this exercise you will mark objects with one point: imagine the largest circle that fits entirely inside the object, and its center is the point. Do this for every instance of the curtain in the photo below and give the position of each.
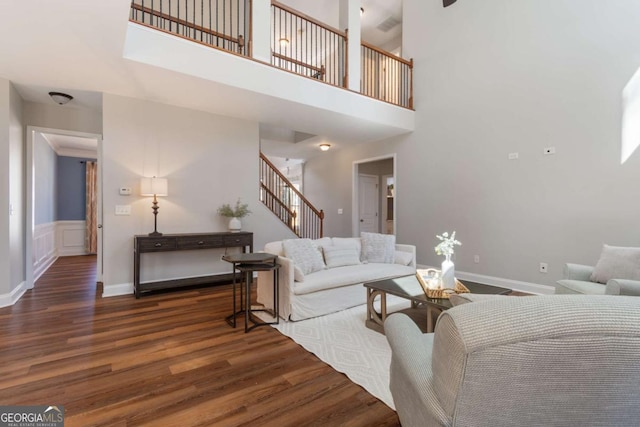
(91, 240)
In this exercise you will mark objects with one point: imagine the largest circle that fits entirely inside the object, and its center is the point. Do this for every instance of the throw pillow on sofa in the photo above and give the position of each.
(378, 247)
(617, 263)
(340, 256)
(304, 254)
(402, 258)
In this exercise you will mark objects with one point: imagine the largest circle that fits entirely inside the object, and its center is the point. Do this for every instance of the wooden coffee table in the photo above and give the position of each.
(409, 288)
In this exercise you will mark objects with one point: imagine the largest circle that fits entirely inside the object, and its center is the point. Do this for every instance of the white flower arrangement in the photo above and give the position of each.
(445, 247)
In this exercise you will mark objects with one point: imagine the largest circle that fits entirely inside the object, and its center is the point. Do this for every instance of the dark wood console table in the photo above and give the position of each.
(185, 242)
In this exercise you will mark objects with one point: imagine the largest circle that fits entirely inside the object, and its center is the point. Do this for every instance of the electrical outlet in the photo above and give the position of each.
(476, 259)
(513, 156)
(550, 150)
(543, 267)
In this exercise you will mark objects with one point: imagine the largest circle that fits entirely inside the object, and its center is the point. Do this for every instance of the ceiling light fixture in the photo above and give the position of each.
(60, 98)
(325, 147)
(284, 42)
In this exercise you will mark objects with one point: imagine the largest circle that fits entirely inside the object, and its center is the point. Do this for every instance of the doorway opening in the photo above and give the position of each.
(374, 195)
(64, 200)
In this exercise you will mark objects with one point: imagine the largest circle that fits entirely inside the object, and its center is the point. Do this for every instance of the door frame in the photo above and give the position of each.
(355, 215)
(30, 217)
(377, 196)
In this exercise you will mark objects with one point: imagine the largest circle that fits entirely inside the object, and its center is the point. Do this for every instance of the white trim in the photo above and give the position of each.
(516, 285)
(117, 290)
(70, 238)
(354, 191)
(76, 152)
(29, 235)
(13, 296)
(44, 248)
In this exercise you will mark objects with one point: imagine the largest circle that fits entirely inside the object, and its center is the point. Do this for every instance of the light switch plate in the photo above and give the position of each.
(125, 191)
(123, 209)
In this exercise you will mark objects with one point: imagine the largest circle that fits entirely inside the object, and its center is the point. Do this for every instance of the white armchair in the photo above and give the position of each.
(577, 280)
(552, 360)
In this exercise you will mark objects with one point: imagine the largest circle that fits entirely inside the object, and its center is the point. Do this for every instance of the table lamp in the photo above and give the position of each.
(154, 187)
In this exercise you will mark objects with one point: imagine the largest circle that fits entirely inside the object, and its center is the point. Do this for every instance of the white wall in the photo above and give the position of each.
(5, 112)
(44, 181)
(208, 160)
(12, 185)
(17, 188)
(62, 117)
(496, 77)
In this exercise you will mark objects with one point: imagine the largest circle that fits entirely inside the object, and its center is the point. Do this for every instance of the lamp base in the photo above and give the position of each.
(155, 234)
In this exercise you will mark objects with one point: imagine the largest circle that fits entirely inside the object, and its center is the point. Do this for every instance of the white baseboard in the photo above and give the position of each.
(117, 290)
(13, 296)
(43, 267)
(516, 285)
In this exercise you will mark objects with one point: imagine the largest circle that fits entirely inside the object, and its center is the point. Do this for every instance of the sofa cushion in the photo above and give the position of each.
(617, 263)
(402, 258)
(568, 286)
(349, 275)
(304, 253)
(352, 242)
(378, 247)
(339, 256)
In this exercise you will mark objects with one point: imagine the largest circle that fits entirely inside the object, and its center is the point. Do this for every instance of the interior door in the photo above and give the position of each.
(368, 202)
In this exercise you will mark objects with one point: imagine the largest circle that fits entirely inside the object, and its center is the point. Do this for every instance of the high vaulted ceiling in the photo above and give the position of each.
(76, 46)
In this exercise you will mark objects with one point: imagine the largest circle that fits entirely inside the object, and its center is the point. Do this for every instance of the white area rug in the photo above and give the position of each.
(343, 341)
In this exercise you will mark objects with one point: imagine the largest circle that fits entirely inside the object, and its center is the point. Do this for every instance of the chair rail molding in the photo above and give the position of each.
(44, 248)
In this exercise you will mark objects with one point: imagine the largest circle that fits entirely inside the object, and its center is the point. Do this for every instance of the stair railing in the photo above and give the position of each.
(288, 203)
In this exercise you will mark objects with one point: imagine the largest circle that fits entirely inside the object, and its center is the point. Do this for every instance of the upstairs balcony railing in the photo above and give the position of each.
(299, 43)
(220, 23)
(306, 46)
(385, 76)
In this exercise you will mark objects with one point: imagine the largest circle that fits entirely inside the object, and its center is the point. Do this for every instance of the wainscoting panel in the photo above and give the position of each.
(44, 248)
(71, 235)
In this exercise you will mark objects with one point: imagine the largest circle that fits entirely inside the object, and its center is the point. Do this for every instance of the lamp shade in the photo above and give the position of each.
(154, 186)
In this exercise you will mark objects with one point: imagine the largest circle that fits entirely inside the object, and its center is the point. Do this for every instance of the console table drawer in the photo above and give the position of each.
(238, 240)
(158, 244)
(200, 242)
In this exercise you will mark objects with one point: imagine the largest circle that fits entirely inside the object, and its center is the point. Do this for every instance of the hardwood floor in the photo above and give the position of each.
(163, 360)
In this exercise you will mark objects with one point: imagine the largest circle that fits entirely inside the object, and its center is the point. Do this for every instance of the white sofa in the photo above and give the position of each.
(329, 289)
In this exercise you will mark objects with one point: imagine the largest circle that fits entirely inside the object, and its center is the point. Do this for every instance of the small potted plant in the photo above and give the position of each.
(234, 214)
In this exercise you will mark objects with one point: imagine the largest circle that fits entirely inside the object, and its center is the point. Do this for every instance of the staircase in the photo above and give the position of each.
(287, 203)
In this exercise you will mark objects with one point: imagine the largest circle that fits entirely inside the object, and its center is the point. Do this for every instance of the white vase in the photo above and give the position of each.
(235, 225)
(448, 275)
